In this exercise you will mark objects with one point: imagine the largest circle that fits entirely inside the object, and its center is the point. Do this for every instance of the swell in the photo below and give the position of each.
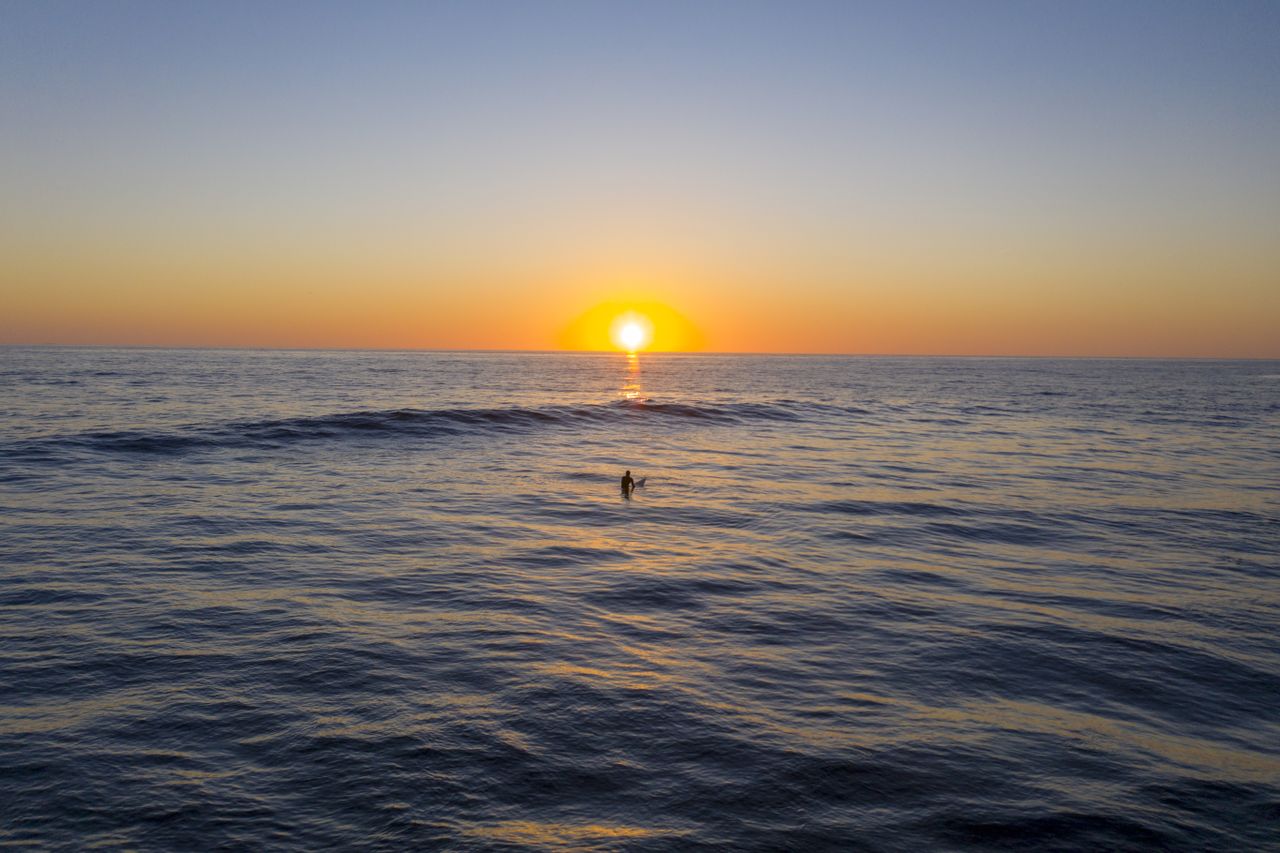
(281, 432)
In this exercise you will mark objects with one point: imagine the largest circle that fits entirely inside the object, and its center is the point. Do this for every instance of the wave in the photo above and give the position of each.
(280, 432)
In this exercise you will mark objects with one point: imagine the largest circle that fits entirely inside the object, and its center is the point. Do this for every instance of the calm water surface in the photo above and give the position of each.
(305, 600)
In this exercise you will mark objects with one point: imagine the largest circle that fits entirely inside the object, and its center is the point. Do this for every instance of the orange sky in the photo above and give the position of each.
(1042, 181)
(879, 303)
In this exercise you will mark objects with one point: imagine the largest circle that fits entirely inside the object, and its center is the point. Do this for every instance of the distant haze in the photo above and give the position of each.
(967, 178)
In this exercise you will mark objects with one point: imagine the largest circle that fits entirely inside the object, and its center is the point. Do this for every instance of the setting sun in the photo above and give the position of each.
(631, 336)
(631, 331)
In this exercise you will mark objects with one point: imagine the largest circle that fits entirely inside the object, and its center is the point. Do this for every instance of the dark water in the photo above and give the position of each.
(304, 600)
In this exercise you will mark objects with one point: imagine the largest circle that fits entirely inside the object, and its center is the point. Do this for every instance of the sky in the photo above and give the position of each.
(970, 178)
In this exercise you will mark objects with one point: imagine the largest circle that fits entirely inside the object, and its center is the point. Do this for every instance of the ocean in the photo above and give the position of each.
(305, 600)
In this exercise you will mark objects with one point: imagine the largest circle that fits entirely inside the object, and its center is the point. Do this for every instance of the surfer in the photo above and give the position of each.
(628, 484)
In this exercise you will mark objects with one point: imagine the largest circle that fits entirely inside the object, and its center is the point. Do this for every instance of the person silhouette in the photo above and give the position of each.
(628, 484)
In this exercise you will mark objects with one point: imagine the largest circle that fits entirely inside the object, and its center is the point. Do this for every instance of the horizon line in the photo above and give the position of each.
(717, 353)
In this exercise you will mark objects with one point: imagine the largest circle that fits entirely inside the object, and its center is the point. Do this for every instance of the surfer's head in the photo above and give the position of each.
(628, 473)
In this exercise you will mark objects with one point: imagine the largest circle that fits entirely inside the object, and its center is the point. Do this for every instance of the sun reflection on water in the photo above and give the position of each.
(631, 382)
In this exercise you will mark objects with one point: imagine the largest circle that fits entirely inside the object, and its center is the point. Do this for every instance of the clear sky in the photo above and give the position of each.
(951, 177)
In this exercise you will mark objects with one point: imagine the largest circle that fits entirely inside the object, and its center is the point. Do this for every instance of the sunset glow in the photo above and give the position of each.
(788, 180)
(631, 326)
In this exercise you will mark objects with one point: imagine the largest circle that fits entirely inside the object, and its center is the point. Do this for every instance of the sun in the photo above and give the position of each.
(631, 336)
(631, 331)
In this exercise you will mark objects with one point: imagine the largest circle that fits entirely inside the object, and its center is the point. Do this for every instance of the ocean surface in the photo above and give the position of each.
(325, 600)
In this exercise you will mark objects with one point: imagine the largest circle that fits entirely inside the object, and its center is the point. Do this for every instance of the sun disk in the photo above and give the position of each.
(631, 332)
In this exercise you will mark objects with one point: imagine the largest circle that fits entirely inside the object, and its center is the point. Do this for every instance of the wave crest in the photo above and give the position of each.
(280, 432)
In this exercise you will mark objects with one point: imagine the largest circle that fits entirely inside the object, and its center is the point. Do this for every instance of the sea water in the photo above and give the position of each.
(306, 600)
